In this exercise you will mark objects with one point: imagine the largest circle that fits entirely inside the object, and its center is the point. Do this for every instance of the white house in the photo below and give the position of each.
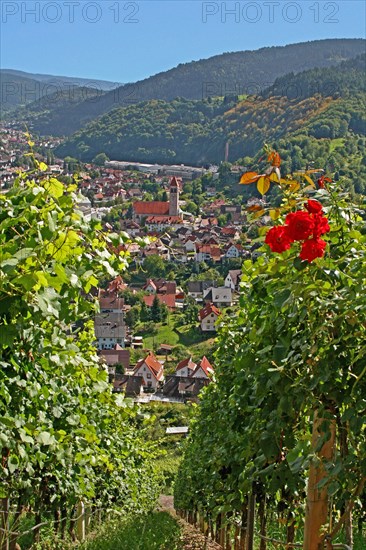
(190, 244)
(233, 279)
(204, 369)
(109, 325)
(220, 296)
(108, 335)
(234, 250)
(197, 288)
(151, 370)
(208, 317)
(185, 368)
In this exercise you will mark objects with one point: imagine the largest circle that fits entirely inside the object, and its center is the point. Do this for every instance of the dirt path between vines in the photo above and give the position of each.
(192, 538)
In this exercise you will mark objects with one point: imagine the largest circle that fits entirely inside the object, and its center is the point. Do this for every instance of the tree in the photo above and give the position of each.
(133, 316)
(225, 172)
(191, 311)
(144, 313)
(154, 266)
(156, 313)
(100, 159)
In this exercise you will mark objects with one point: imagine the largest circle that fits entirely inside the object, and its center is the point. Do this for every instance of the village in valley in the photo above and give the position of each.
(157, 323)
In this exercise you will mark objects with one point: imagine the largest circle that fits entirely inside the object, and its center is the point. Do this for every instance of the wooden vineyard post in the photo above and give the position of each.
(87, 520)
(243, 529)
(317, 499)
(250, 524)
(80, 522)
(4, 523)
(222, 531)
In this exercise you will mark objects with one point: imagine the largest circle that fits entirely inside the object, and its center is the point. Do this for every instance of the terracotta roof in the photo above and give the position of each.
(117, 284)
(152, 363)
(186, 363)
(167, 299)
(174, 182)
(149, 282)
(207, 310)
(152, 208)
(229, 230)
(205, 365)
(212, 249)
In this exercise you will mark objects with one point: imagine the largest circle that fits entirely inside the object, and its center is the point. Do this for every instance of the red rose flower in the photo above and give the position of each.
(320, 182)
(321, 225)
(277, 239)
(300, 225)
(313, 207)
(312, 248)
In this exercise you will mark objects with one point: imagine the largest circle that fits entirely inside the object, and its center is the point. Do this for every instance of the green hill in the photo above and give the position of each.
(190, 131)
(331, 128)
(234, 73)
(48, 111)
(347, 77)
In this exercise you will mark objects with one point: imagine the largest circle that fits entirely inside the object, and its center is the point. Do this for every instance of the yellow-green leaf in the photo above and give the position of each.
(263, 184)
(275, 213)
(41, 278)
(54, 187)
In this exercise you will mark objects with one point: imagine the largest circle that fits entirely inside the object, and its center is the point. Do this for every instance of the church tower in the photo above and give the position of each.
(174, 198)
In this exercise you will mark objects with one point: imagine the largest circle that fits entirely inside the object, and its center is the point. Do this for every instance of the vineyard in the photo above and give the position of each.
(277, 452)
(67, 444)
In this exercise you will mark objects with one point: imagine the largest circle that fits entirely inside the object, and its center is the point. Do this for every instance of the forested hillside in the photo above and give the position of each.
(347, 77)
(240, 73)
(330, 127)
(49, 109)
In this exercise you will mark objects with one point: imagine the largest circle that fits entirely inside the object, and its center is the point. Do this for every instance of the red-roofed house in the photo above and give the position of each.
(234, 250)
(116, 356)
(167, 299)
(185, 367)
(204, 369)
(117, 285)
(150, 286)
(161, 223)
(111, 304)
(207, 252)
(151, 370)
(160, 286)
(208, 317)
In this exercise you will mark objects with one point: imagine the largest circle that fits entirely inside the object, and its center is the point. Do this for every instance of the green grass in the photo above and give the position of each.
(175, 333)
(165, 335)
(154, 531)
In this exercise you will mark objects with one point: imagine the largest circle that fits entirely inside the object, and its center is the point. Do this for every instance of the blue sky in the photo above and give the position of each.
(124, 41)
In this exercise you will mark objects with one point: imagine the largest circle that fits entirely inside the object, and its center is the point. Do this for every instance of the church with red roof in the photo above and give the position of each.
(145, 209)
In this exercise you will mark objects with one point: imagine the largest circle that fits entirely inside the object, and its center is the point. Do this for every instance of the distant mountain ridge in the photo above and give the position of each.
(238, 73)
(19, 88)
(104, 85)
